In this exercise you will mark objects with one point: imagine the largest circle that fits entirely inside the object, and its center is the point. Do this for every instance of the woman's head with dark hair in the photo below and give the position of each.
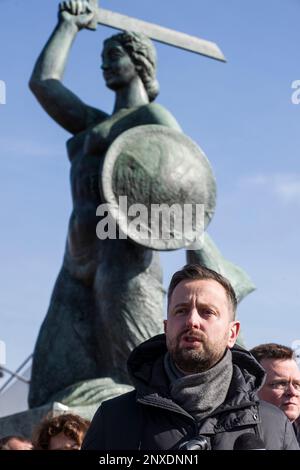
(63, 432)
(143, 55)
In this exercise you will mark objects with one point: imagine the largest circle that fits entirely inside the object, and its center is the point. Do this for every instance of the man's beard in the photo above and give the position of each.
(198, 360)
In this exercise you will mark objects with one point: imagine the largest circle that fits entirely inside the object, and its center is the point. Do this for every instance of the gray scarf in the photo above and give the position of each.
(200, 394)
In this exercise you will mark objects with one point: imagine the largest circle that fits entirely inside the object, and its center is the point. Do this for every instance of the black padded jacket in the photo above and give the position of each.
(148, 419)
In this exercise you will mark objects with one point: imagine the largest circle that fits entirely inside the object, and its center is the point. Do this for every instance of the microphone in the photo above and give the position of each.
(248, 441)
(198, 443)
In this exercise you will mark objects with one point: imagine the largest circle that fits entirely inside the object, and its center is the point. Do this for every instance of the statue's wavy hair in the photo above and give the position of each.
(143, 54)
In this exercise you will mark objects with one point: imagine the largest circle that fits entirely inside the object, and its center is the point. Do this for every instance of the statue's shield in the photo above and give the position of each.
(159, 187)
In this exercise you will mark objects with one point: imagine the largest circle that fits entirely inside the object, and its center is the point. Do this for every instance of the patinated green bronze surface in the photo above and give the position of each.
(108, 296)
(166, 178)
(153, 31)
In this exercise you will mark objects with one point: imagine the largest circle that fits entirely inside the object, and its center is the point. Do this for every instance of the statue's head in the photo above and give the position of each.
(143, 55)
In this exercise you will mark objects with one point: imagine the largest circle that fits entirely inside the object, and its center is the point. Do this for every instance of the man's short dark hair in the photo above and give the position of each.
(4, 442)
(198, 272)
(272, 351)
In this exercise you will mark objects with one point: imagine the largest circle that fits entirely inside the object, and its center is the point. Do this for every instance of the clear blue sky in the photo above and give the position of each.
(240, 113)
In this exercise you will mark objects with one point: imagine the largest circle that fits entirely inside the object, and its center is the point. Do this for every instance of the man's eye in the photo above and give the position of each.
(281, 384)
(180, 311)
(207, 312)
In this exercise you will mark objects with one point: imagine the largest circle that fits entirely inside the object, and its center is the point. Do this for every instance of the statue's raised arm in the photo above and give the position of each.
(102, 281)
(46, 80)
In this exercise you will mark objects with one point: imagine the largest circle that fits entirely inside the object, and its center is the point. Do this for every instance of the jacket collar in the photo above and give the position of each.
(145, 366)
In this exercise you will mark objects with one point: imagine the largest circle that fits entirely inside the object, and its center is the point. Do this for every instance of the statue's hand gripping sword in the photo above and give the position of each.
(153, 31)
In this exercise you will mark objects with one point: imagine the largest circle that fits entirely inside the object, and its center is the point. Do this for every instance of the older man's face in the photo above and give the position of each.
(282, 386)
(200, 325)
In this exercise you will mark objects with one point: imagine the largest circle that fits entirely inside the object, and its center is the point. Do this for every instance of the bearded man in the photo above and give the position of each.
(194, 389)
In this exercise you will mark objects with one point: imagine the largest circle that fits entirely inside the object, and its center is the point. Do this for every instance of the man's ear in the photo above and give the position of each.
(165, 326)
(233, 333)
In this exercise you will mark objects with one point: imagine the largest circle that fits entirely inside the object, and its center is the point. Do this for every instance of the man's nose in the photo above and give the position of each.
(193, 319)
(291, 390)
